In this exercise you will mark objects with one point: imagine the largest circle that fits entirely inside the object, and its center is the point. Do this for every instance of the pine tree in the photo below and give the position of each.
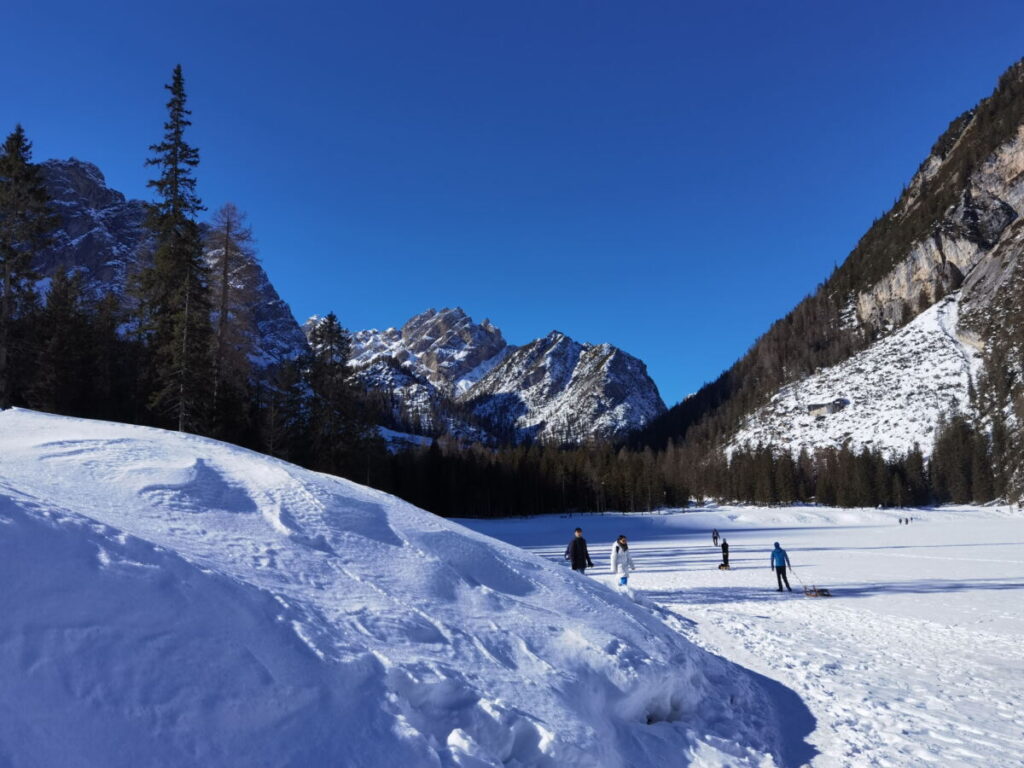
(338, 420)
(26, 222)
(174, 293)
(61, 381)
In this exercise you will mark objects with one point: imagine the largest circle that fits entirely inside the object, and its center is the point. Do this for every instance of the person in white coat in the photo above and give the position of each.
(622, 561)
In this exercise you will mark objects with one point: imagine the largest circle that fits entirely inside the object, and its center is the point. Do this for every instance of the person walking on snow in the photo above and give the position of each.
(576, 553)
(779, 562)
(622, 561)
(725, 553)
(714, 536)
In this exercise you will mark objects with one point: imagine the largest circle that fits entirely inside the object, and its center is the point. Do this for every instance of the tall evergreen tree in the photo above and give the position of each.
(174, 295)
(26, 222)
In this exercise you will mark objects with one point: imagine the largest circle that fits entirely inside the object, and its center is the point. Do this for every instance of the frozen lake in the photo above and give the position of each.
(916, 659)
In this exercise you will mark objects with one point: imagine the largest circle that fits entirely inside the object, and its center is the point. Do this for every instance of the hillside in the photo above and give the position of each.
(955, 228)
(170, 600)
(892, 395)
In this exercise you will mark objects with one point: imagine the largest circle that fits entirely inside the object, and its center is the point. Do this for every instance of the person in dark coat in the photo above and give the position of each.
(714, 536)
(725, 553)
(576, 553)
(780, 561)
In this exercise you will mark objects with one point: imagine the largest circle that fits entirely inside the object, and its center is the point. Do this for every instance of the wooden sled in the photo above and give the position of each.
(813, 591)
(724, 567)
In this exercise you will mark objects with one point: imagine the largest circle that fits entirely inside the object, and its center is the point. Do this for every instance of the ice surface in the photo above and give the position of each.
(918, 657)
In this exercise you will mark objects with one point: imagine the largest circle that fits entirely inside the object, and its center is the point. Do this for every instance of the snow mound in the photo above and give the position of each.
(891, 395)
(170, 600)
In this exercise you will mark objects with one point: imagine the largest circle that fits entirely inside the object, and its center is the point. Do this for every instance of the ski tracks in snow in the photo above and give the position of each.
(886, 690)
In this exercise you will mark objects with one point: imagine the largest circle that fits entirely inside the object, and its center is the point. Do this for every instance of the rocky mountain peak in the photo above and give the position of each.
(442, 363)
(80, 183)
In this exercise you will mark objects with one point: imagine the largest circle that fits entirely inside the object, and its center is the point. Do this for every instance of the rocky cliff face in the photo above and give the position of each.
(101, 233)
(989, 201)
(102, 238)
(443, 373)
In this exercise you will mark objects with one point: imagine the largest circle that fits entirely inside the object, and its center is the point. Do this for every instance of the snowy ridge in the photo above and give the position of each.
(170, 600)
(895, 393)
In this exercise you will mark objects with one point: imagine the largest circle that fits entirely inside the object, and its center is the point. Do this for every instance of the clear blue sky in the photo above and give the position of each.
(669, 177)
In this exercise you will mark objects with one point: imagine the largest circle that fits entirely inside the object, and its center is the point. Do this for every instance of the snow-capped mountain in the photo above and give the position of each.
(441, 372)
(559, 388)
(172, 600)
(102, 238)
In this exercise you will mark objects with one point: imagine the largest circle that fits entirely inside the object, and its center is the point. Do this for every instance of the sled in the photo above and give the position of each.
(724, 567)
(813, 591)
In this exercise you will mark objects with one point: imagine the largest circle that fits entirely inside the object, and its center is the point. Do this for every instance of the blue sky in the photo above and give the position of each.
(669, 177)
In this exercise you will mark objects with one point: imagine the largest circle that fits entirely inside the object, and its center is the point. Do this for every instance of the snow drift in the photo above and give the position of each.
(171, 600)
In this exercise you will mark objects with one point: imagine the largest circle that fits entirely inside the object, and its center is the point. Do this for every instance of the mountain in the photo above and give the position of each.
(922, 320)
(443, 373)
(172, 600)
(102, 238)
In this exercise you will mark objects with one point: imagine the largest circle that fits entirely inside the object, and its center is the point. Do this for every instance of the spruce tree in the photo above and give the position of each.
(26, 222)
(61, 380)
(338, 420)
(174, 292)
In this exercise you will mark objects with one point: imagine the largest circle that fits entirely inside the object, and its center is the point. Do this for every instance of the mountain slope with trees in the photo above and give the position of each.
(956, 227)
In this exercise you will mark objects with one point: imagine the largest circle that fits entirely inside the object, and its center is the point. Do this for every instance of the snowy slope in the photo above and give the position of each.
(170, 600)
(916, 660)
(896, 391)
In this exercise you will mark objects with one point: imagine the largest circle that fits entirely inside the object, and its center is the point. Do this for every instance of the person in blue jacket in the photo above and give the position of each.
(779, 562)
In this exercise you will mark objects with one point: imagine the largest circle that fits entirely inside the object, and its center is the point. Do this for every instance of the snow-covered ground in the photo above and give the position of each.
(916, 660)
(169, 600)
(895, 391)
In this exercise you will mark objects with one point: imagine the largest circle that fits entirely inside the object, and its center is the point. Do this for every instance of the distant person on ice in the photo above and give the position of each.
(714, 536)
(622, 561)
(576, 553)
(779, 562)
(725, 553)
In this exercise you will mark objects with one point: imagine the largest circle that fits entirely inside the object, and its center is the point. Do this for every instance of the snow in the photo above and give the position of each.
(896, 389)
(400, 440)
(917, 659)
(466, 382)
(170, 600)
